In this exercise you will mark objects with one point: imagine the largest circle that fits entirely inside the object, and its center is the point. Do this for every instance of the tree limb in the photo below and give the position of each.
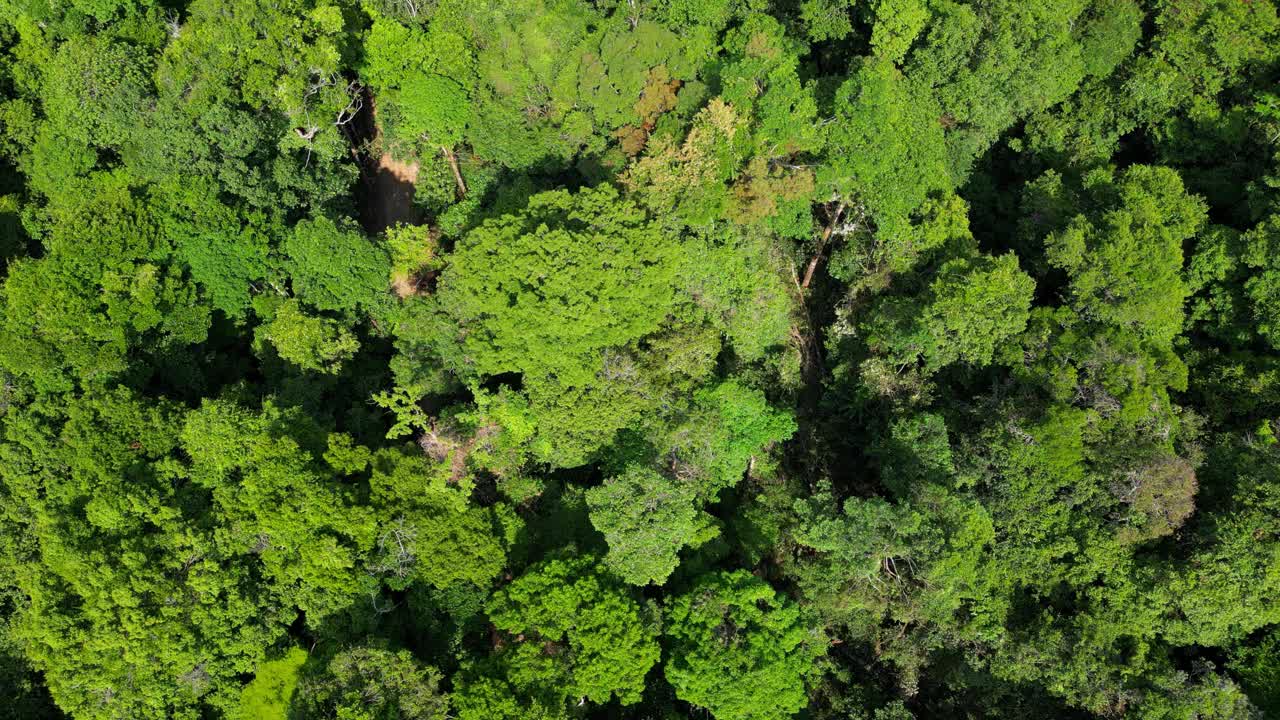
(822, 244)
(457, 174)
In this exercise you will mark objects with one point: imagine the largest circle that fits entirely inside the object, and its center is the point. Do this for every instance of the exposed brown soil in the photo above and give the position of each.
(404, 286)
(442, 443)
(386, 184)
(389, 194)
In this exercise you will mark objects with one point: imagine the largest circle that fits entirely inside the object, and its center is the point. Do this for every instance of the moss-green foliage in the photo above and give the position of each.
(728, 427)
(413, 250)
(1226, 601)
(646, 519)
(423, 79)
(246, 94)
(25, 695)
(96, 91)
(311, 343)
(560, 294)
(575, 633)
(434, 534)
(335, 268)
(74, 317)
(1126, 271)
(1170, 86)
(91, 574)
(974, 306)
(993, 64)
(618, 66)
(280, 504)
(969, 309)
(1237, 283)
(919, 561)
(228, 252)
(822, 359)
(371, 683)
(1258, 667)
(887, 150)
(1124, 283)
(738, 649)
(524, 109)
(274, 684)
(897, 24)
(544, 292)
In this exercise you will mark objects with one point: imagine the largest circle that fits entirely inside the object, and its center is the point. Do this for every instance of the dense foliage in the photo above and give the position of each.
(639, 359)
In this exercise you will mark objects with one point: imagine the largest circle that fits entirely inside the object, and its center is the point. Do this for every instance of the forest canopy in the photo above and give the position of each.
(639, 359)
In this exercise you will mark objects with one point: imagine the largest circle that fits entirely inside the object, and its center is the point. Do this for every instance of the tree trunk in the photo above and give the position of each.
(457, 174)
(822, 244)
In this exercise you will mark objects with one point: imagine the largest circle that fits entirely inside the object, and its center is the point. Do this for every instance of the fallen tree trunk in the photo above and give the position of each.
(822, 244)
(457, 174)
